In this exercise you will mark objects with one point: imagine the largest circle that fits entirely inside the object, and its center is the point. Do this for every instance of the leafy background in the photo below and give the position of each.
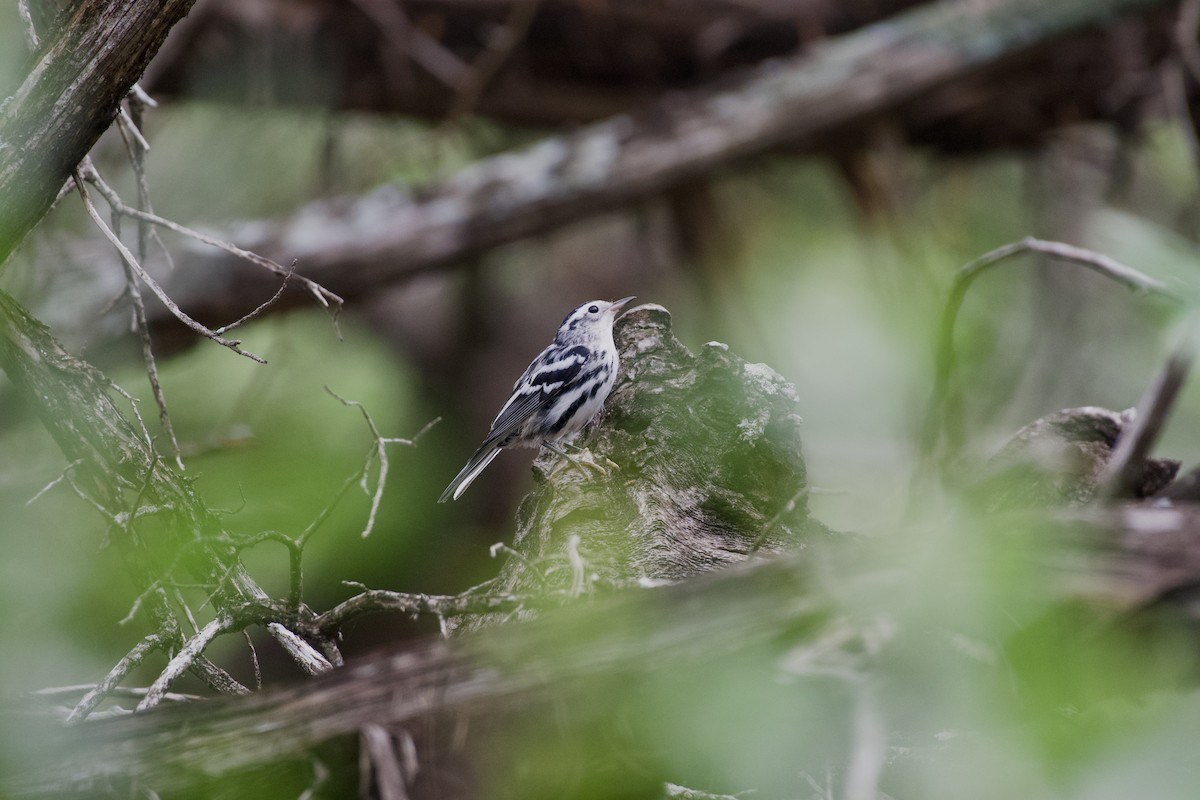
(989, 682)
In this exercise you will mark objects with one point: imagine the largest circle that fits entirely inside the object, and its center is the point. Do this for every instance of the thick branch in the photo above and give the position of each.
(86, 64)
(475, 676)
(602, 650)
(353, 246)
(116, 462)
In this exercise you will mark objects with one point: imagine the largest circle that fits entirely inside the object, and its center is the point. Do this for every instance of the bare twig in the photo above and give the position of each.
(216, 678)
(501, 547)
(389, 777)
(770, 525)
(187, 611)
(137, 414)
(61, 477)
(309, 660)
(372, 601)
(143, 329)
(116, 691)
(127, 664)
(274, 299)
(138, 100)
(109, 517)
(139, 94)
(66, 189)
(940, 417)
(318, 292)
(673, 791)
(253, 661)
(295, 548)
(378, 452)
(128, 126)
(140, 272)
(137, 602)
(1128, 459)
(192, 649)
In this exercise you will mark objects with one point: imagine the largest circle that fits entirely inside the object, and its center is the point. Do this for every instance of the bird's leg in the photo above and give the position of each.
(582, 457)
(587, 457)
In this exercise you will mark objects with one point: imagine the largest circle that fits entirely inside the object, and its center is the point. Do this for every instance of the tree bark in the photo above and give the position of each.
(89, 60)
(705, 468)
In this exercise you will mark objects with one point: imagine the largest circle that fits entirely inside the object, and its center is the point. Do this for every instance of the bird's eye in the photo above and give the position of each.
(593, 309)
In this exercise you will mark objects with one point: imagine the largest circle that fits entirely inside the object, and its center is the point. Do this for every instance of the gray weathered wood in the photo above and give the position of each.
(354, 245)
(476, 677)
(86, 64)
(709, 468)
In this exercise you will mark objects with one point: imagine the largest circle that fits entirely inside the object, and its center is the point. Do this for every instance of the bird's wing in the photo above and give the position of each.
(538, 386)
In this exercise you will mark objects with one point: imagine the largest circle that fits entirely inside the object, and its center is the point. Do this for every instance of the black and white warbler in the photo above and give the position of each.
(560, 391)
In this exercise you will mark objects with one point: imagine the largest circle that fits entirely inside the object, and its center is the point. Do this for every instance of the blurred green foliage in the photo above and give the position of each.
(989, 686)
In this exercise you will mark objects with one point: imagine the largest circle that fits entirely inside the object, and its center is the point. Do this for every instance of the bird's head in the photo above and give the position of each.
(589, 318)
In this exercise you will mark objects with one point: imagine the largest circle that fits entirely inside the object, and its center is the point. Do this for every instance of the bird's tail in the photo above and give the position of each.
(483, 456)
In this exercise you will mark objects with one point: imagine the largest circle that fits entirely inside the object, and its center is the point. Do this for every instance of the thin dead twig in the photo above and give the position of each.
(378, 452)
(939, 416)
(216, 678)
(309, 660)
(132, 129)
(143, 329)
(136, 148)
(253, 660)
(256, 312)
(385, 763)
(674, 791)
(1124, 467)
(770, 525)
(61, 477)
(116, 691)
(192, 649)
(132, 262)
(322, 295)
(371, 601)
(118, 673)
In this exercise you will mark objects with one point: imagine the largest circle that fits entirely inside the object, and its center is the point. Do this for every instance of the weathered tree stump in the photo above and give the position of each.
(708, 470)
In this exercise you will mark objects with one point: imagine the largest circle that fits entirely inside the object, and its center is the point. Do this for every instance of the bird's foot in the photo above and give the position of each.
(581, 457)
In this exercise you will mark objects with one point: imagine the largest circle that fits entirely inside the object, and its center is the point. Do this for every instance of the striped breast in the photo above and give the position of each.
(580, 401)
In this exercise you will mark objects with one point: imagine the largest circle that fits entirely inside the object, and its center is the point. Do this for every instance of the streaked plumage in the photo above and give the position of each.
(559, 392)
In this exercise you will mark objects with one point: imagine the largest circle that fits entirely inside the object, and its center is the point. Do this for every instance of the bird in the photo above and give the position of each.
(559, 392)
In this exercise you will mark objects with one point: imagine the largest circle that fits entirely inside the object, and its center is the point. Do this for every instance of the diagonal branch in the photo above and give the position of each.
(86, 65)
(355, 246)
(136, 268)
(318, 292)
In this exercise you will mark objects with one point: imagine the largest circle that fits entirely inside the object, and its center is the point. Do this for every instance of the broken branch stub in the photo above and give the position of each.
(1060, 460)
(709, 468)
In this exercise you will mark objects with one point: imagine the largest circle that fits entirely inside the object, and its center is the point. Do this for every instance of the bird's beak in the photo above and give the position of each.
(619, 304)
